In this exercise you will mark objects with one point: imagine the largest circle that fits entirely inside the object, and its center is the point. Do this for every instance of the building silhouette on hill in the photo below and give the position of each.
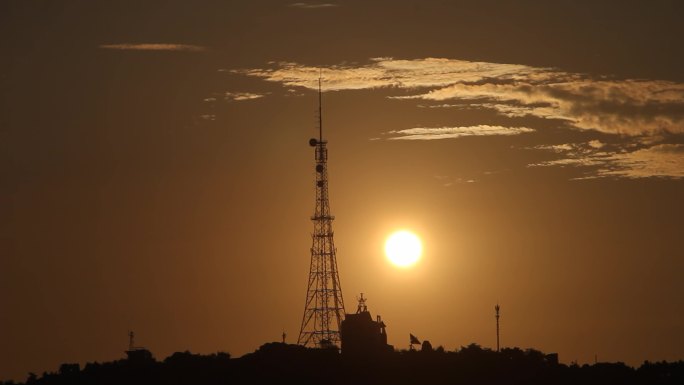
(361, 335)
(136, 354)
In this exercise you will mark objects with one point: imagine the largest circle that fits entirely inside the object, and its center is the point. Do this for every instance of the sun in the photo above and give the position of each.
(403, 248)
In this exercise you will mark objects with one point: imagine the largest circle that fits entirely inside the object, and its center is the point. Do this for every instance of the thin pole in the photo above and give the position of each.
(320, 109)
(496, 308)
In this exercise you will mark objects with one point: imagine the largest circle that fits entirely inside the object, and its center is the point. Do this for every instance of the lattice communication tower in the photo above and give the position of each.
(324, 307)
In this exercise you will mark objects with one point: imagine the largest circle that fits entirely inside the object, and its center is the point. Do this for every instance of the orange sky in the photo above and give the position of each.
(156, 174)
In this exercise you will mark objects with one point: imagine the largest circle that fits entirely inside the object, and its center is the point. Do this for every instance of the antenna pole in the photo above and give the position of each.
(496, 309)
(320, 109)
(131, 344)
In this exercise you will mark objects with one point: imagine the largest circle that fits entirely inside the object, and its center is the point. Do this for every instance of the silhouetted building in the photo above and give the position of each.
(139, 355)
(135, 354)
(552, 358)
(361, 335)
(69, 369)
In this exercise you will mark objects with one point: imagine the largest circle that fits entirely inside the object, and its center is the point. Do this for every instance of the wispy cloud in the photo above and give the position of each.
(388, 72)
(239, 96)
(312, 5)
(427, 133)
(663, 160)
(601, 160)
(626, 107)
(448, 181)
(508, 110)
(644, 117)
(154, 47)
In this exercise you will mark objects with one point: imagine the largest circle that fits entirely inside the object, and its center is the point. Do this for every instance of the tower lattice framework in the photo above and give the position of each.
(324, 307)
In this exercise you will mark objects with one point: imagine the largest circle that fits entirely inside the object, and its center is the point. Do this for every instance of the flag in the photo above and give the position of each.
(414, 339)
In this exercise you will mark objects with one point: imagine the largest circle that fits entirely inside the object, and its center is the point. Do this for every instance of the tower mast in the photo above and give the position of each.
(324, 306)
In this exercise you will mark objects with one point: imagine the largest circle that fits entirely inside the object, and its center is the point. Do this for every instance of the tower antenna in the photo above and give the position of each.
(324, 306)
(320, 108)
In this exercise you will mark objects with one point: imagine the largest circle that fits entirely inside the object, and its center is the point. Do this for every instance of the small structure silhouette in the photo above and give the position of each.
(413, 340)
(361, 336)
(69, 369)
(551, 358)
(137, 354)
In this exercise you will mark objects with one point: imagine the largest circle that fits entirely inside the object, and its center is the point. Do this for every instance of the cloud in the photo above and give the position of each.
(388, 72)
(448, 181)
(425, 133)
(312, 6)
(661, 160)
(508, 110)
(154, 47)
(625, 107)
(239, 96)
(631, 107)
(640, 121)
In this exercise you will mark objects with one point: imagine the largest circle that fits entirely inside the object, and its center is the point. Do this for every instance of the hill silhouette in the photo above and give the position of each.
(284, 364)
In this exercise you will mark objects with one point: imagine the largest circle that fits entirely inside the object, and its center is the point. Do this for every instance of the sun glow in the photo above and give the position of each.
(403, 248)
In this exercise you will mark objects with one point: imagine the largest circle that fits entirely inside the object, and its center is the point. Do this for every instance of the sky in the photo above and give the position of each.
(155, 173)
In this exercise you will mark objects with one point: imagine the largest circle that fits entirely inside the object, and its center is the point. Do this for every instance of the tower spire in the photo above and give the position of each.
(320, 109)
(324, 306)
